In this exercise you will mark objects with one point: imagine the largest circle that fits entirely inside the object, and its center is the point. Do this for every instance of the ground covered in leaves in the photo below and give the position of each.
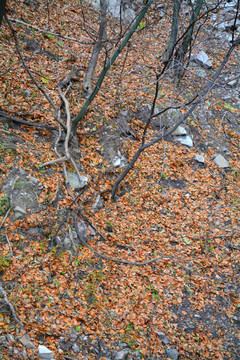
(170, 206)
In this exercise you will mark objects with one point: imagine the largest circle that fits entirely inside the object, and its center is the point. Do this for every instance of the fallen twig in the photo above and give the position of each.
(11, 307)
(5, 217)
(17, 120)
(51, 32)
(10, 247)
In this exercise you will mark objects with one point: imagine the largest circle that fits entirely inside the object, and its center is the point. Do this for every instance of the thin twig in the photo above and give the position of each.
(11, 307)
(10, 247)
(51, 32)
(25, 65)
(5, 217)
(63, 158)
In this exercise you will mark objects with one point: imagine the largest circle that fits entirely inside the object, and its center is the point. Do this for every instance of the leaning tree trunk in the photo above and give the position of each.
(184, 46)
(167, 54)
(2, 9)
(87, 82)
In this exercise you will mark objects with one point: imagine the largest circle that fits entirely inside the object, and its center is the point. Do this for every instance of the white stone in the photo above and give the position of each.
(117, 162)
(221, 161)
(44, 353)
(200, 159)
(128, 14)
(202, 59)
(180, 130)
(233, 83)
(185, 140)
(75, 182)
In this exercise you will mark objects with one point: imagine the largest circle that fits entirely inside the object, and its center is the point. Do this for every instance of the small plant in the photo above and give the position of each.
(4, 204)
(49, 36)
(109, 226)
(5, 261)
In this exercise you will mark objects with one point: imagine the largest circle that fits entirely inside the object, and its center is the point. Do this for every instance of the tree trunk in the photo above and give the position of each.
(87, 82)
(184, 46)
(2, 9)
(167, 54)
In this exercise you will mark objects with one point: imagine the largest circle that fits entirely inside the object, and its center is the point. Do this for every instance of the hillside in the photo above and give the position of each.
(151, 271)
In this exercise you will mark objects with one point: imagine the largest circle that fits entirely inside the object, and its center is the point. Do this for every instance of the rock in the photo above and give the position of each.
(185, 140)
(23, 193)
(200, 72)
(127, 14)
(221, 161)
(27, 342)
(172, 354)
(67, 243)
(19, 213)
(121, 355)
(163, 338)
(44, 353)
(83, 230)
(23, 354)
(76, 349)
(10, 338)
(2, 339)
(200, 159)
(98, 204)
(233, 83)
(119, 161)
(180, 130)
(202, 59)
(27, 93)
(75, 182)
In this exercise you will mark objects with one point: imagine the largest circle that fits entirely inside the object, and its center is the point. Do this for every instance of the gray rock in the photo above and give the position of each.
(202, 59)
(185, 140)
(19, 213)
(76, 349)
(27, 342)
(122, 354)
(22, 171)
(83, 230)
(75, 182)
(200, 159)
(201, 73)
(128, 14)
(163, 338)
(221, 161)
(10, 338)
(180, 130)
(172, 354)
(44, 353)
(27, 93)
(233, 83)
(67, 243)
(98, 204)
(23, 193)
(2, 339)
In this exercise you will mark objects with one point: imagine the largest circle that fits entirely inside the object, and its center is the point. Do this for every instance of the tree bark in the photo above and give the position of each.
(184, 46)
(167, 54)
(2, 10)
(87, 82)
